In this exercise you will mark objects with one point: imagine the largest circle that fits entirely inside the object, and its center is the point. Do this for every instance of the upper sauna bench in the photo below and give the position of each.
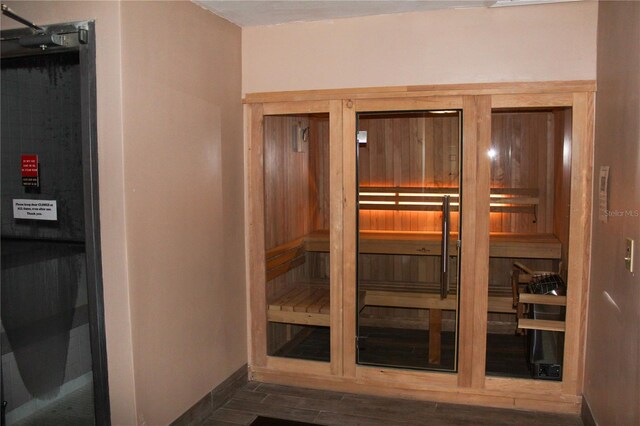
(501, 244)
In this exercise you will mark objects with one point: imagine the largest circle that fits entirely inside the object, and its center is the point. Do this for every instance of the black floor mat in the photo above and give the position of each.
(271, 421)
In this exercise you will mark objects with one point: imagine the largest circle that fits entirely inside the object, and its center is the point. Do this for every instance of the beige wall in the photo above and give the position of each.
(525, 43)
(111, 172)
(183, 189)
(170, 145)
(612, 385)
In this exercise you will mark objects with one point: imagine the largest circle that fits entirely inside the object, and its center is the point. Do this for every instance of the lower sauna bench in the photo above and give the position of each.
(304, 305)
(310, 305)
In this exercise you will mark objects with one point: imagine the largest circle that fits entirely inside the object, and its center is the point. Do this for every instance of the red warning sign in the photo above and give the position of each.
(29, 170)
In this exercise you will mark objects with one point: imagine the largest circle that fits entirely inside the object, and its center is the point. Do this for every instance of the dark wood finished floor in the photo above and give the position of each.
(332, 408)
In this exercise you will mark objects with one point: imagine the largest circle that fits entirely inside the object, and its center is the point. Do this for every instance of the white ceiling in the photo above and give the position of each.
(246, 13)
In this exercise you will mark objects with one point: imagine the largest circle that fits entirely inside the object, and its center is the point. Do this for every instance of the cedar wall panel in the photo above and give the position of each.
(319, 172)
(286, 188)
(408, 152)
(286, 210)
(424, 152)
(524, 144)
(562, 181)
(316, 267)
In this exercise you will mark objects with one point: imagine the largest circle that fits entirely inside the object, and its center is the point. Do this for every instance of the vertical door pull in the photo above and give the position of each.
(444, 277)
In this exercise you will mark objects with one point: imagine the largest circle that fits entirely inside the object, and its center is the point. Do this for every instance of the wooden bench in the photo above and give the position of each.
(501, 244)
(303, 305)
(520, 278)
(309, 304)
(284, 258)
(433, 302)
(537, 324)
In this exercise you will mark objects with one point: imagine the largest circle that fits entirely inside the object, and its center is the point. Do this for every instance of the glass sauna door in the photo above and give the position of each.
(409, 201)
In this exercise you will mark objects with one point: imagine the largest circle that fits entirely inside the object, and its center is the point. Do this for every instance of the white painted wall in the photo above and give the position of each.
(524, 43)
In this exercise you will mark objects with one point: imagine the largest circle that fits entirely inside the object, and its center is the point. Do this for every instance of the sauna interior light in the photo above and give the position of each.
(439, 203)
(425, 203)
(377, 194)
(420, 203)
(377, 202)
(492, 153)
(426, 194)
(496, 199)
(421, 194)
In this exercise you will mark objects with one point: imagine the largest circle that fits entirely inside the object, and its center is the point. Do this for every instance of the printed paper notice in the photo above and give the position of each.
(35, 209)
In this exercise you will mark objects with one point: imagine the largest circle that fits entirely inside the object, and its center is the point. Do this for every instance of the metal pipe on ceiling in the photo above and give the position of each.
(11, 14)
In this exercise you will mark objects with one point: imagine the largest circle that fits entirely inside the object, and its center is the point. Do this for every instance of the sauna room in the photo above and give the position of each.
(409, 204)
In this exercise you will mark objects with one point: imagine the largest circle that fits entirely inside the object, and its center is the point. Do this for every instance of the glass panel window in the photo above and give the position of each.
(296, 186)
(529, 238)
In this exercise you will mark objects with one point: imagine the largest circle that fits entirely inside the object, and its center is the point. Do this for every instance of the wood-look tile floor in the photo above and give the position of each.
(332, 408)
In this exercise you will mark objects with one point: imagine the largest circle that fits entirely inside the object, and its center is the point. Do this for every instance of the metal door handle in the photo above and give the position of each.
(444, 277)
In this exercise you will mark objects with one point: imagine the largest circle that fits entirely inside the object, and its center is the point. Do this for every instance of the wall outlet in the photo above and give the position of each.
(628, 255)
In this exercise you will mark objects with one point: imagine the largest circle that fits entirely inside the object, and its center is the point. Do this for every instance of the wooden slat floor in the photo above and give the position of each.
(333, 408)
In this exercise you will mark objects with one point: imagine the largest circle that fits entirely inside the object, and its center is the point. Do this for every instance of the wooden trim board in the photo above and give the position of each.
(543, 299)
(541, 87)
(532, 101)
(300, 107)
(255, 230)
(337, 236)
(579, 240)
(546, 325)
(409, 104)
(349, 265)
(427, 387)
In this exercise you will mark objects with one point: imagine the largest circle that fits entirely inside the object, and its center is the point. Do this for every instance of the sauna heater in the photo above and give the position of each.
(546, 348)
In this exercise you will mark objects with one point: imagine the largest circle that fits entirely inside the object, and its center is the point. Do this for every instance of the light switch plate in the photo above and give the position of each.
(628, 255)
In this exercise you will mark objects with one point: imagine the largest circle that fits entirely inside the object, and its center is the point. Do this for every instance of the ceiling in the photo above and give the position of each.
(246, 13)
